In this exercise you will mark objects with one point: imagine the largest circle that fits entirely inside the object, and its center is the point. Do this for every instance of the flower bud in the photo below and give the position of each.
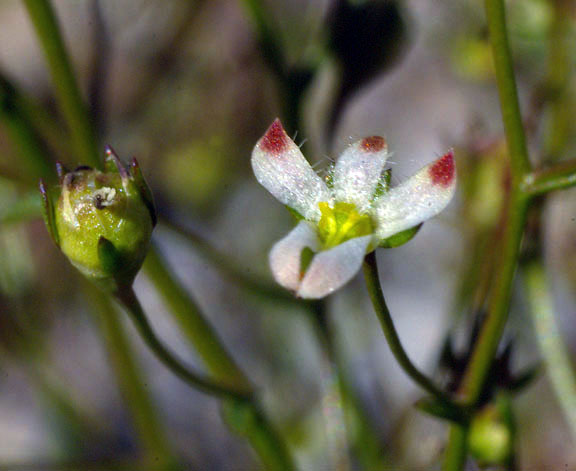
(492, 432)
(102, 221)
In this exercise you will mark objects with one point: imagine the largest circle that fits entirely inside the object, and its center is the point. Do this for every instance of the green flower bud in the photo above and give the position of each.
(491, 435)
(102, 221)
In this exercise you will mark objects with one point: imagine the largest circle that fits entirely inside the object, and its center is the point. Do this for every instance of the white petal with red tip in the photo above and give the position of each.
(285, 256)
(281, 168)
(358, 171)
(333, 268)
(419, 198)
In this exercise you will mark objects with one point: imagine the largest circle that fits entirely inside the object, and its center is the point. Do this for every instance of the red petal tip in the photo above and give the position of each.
(373, 144)
(442, 171)
(275, 140)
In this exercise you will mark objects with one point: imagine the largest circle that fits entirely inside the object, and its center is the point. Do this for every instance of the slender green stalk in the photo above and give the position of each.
(68, 93)
(375, 290)
(499, 303)
(457, 450)
(557, 89)
(556, 357)
(557, 177)
(127, 372)
(508, 93)
(268, 444)
(194, 325)
(128, 299)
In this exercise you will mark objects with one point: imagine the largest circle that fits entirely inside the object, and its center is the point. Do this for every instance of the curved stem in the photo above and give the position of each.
(129, 300)
(193, 323)
(375, 290)
(68, 93)
(549, 339)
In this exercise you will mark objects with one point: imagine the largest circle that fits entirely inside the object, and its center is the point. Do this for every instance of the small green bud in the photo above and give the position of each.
(102, 221)
(491, 435)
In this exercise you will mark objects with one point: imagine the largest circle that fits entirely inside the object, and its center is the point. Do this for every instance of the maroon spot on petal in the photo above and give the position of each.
(275, 140)
(373, 144)
(442, 171)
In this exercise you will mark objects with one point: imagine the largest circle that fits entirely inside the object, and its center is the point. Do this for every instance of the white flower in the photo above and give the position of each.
(343, 221)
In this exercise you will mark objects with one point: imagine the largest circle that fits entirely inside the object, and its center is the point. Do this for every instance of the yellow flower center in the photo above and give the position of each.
(341, 223)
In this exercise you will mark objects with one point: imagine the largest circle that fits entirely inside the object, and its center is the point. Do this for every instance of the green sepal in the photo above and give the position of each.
(432, 406)
(399, 239)
(113, 164)
(48, 212)
(110, 257)
(524, 378)
(295, 214)
(144, 189)
(383, 184)
(306, 257)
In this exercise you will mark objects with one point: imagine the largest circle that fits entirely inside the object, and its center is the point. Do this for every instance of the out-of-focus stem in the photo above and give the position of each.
(193, 323)
(557, 82)
(33, 154)
(265, 440)
(222, 263)
(556, 357)
(129, 377)
(66, 87)
(375, 291)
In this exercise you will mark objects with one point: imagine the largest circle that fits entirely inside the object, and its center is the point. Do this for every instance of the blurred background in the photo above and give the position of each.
(188, 87)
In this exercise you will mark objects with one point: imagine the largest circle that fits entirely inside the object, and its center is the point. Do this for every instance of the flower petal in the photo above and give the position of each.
(358, 171)
(285, 256)
(333, 268)
(419, 198)
(281, 168)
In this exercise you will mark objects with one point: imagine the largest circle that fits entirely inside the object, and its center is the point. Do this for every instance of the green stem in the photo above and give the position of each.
(67, 91)
(127, 372)
(557, 177)
(497, 315)
(268, 444)
(375, 290)
(193, 323)
(556, 357)
(457, 450)
(560, 98)
(509, 105)
(128, 299)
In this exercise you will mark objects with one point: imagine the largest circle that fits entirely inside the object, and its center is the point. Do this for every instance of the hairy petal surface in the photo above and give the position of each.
(281, 168)
(331, 269)
(358, 171)
(419, 198)
(286, 255)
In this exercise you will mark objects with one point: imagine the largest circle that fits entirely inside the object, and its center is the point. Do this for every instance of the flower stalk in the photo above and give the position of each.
(372, 278)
